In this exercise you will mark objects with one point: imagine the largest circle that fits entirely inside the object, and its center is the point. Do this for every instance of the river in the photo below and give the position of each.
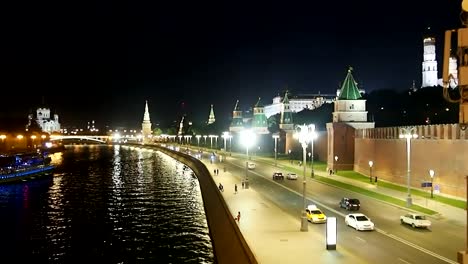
(106, 204)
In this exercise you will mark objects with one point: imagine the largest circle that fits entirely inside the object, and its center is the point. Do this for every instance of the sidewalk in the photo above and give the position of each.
(273, 235)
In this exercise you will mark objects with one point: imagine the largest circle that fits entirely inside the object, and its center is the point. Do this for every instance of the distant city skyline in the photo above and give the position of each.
(106, 66)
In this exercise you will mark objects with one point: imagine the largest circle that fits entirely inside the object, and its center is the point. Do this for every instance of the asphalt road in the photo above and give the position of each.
(391, 242)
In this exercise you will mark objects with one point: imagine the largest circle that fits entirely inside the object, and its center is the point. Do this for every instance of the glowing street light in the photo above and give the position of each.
(225, 136)
(247, 138)
(371, 163)
(198, 140)
(408, 133)
(276, 136)
(304, 134)
(211, 141)
(205, 136)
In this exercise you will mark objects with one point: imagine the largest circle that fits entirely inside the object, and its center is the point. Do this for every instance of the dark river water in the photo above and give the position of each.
(106, 204)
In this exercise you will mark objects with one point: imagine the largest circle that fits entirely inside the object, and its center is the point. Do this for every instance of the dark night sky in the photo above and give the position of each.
(102, 60)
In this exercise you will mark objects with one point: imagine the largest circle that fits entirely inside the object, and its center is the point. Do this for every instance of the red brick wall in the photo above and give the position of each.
(448, 158)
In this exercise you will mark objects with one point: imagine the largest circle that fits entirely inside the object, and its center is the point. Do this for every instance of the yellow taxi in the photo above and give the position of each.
(315, 215)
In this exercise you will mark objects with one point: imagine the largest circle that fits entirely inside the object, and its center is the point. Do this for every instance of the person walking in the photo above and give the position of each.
(238, 217)
(235, 188)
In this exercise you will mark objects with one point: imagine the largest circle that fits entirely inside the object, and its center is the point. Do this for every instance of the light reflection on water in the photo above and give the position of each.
(108, 204)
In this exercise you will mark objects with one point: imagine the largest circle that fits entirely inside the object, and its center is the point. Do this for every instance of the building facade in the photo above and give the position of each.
(44, 120)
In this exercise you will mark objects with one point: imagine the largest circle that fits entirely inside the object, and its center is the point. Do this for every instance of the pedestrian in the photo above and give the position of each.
(214, 171)
(238, 217)
(235, 188)
(330, 172)
(242, 184)
(217, 171)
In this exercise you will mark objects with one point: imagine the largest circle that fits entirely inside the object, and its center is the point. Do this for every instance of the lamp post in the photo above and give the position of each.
(408, 133)
(247, 138)
(276, 136)
(225, 137)
(205, 136)
(289, 154)
(3, 140)
(336, 161)
(198, 140)
(33, 137)
(230, 145)
(304, 136)
(313, 137)
(216, 141)
(431, 173)
(211, 141)
(370, 170)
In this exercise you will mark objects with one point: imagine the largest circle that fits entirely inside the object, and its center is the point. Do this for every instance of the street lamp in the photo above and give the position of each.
(33, 137)
(313, 137)
(211, 141)
(370, 169)
(225, 137)
(230, 145)
(276, 136)
(336, 161)
(247, 138)
(205, 136)
(431, 173)
(304, 135)
(290, 161)
(408, 133)
(198, 140)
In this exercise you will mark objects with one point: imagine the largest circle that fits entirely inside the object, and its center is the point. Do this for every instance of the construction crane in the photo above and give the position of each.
(462, 54)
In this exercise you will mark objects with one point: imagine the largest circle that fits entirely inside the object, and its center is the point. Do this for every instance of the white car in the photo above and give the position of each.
(291, 176)
(415, 220)
(251, 166)
(359, 221)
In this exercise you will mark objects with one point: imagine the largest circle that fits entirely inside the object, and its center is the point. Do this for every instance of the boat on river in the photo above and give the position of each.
(24, 166)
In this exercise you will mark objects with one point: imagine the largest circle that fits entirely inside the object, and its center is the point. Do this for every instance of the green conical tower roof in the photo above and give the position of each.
(349, 89)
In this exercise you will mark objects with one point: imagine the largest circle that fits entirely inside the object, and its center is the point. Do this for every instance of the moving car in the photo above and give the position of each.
(291, 176)
(350, 203)
(415, 220)
(315, 215)
(359, 221)
(278, 176)
(251, 166)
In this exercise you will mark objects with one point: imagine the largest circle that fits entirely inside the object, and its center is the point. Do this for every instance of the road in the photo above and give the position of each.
(391, 241)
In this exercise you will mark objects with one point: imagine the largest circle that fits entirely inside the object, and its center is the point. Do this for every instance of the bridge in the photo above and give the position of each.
(96, 138)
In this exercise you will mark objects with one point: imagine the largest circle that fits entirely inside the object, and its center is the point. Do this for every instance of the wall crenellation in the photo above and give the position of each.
(439, 131)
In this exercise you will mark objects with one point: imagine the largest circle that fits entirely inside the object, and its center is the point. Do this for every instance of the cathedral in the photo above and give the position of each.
(44, 120)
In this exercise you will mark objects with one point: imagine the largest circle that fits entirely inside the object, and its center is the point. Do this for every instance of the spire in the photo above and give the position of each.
(286, 99)
(286, 121)
(259, 104)
(349, 89)
(146, 116)
(211, 118)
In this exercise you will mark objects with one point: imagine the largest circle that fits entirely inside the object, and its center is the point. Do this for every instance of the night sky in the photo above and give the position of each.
(101, 59)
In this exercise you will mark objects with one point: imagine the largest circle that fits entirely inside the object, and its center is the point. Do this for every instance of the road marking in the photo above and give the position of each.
(402, 260)
(362, 240)
(376, 229)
